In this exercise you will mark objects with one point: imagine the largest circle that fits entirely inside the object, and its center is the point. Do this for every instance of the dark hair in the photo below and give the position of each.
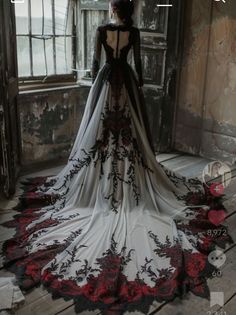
(124, 10)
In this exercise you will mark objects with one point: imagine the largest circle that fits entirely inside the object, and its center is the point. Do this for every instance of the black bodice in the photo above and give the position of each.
(117, 41)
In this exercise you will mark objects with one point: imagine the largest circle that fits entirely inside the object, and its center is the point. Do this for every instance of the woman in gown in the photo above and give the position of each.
(115, 230)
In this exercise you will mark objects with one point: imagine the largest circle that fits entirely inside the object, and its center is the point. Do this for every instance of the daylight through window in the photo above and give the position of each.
(45, 38)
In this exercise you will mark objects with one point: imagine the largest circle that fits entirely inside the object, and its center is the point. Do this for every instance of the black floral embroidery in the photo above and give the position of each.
(104, 283)
(116, 130)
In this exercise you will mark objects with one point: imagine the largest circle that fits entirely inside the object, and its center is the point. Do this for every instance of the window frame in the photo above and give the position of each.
(30, 82)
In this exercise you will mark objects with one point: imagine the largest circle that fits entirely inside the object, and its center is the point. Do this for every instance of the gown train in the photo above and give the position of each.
(115, 230)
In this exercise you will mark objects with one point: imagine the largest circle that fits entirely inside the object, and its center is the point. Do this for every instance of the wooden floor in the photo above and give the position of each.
(39, 302)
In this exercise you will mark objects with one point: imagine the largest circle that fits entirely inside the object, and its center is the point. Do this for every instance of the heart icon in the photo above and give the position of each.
(216, 216)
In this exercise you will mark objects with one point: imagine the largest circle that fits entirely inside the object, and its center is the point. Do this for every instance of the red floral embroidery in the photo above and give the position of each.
(194, 263)
(111, 289)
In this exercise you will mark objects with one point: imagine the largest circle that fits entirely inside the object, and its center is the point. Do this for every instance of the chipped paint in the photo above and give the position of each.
(49, 123)
(206, 115)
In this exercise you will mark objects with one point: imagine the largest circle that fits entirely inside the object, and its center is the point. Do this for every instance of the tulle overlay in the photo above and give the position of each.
(114, 230)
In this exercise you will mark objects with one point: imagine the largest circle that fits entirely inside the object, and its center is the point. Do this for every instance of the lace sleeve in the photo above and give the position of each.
(96, 55)
(137, 56)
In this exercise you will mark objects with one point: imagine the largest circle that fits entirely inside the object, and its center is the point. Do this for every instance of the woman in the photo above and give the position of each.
(114, 230)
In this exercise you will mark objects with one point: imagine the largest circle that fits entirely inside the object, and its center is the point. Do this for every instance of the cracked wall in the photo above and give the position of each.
(49, 123)
(206, 114)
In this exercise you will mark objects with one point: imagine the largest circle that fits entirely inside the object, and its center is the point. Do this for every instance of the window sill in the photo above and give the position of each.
(36, 88)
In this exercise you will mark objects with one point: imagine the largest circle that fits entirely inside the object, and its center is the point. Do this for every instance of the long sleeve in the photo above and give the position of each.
(137, 57)
(96, 55)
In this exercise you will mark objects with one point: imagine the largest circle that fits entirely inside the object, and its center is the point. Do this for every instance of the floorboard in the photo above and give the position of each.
(230, 307)
(39, 301)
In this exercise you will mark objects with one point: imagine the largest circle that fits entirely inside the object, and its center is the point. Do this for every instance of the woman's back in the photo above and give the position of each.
(117, 41)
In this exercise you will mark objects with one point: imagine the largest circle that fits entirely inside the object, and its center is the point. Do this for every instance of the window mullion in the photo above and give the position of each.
(30, 37)
(85, 38)
(74, 42)
(54, 38)
(44, 41)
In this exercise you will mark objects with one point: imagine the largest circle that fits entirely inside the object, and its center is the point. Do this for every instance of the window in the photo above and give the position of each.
(46, 40)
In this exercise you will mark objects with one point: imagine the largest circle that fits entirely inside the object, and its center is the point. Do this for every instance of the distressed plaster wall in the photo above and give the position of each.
(49, 123)
(206, 112)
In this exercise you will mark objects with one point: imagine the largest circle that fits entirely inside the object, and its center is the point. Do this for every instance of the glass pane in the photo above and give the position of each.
(38, 57)
(153, 18)
(47, 6)
(69, 19)
(36, 16)
(62, 16)
(49, 56)
(153, 63)
(23, 56)
(63, 55)
(21, 12)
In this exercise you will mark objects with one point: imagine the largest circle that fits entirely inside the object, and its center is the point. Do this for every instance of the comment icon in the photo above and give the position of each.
(217, 258)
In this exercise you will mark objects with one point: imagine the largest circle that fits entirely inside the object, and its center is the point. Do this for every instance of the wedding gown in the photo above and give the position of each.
(114, 230)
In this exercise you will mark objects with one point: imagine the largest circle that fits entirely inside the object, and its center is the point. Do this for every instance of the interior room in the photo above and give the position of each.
(188, 53)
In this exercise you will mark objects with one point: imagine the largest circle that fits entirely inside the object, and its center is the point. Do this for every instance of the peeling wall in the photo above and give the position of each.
(206, 113)
(49, 123)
